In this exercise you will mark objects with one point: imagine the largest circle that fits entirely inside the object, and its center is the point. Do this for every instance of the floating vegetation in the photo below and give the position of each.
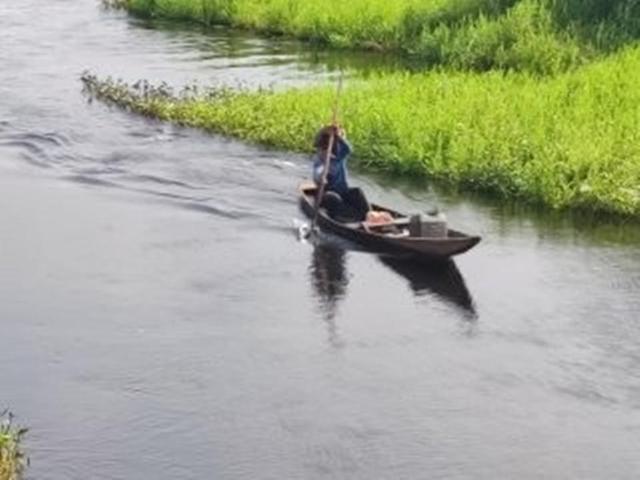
(568, 141)
(539, 36)
(148, 99)
(12, 459)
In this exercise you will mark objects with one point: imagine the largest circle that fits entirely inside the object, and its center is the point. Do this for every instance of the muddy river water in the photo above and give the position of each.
(159, 319)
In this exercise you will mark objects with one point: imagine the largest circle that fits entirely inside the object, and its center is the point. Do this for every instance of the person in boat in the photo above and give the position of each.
(342, 202)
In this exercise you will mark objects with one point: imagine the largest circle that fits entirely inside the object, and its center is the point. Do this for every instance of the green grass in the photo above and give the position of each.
(552, 120)
(12, 459)
(540, 36)
(567, 141)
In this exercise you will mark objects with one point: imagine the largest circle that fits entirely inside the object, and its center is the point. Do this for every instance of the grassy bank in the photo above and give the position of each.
(542, 36)
(12, 459)
(567, 141)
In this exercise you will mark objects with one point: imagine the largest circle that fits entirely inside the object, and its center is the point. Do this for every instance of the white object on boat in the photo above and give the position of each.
(429, 226)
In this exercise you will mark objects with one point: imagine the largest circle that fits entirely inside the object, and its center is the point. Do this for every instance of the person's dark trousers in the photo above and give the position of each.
(332, 202)
(352, 206)
(358, 204)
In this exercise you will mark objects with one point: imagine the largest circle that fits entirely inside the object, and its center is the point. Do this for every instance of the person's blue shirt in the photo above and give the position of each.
(337, 176)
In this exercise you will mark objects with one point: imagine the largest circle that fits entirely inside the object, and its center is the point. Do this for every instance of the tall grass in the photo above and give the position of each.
(542, 36)
(12, 459)
(568, 141)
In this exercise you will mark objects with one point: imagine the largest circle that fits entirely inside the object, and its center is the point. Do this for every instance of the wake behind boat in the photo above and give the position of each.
(395, 237)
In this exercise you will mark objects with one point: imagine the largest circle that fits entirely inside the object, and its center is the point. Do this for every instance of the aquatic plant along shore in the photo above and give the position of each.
(12, 459)
(542, 36)
(567, 141)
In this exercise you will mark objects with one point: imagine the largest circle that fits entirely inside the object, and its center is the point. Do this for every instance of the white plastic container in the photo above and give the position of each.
(430, 226)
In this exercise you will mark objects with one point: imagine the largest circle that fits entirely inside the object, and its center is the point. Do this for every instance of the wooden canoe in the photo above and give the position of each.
(381, 240)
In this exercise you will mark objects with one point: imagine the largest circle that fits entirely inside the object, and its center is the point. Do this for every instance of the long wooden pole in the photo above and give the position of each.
(327, 160)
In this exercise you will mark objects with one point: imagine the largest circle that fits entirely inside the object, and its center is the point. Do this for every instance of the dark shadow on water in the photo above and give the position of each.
(441, 279)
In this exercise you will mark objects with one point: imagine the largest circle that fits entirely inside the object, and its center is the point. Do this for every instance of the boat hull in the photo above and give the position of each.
(434, 249)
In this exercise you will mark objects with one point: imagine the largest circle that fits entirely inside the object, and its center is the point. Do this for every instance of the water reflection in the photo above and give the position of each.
(329, 280)
(212, 44)
(444, 280)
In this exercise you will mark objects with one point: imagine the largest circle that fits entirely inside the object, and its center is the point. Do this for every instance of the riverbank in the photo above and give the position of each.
(12, 458)
(566, 142)
(540, 36)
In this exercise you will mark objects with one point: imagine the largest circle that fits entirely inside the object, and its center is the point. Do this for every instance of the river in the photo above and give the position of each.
(159, 318)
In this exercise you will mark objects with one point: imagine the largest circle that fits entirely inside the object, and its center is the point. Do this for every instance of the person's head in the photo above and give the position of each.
(323, 137)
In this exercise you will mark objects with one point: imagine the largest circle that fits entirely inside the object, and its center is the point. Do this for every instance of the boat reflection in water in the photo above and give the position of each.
(329, 279)
(441, 279)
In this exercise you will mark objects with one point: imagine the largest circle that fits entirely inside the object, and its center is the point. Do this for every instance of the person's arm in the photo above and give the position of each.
(344, 148)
